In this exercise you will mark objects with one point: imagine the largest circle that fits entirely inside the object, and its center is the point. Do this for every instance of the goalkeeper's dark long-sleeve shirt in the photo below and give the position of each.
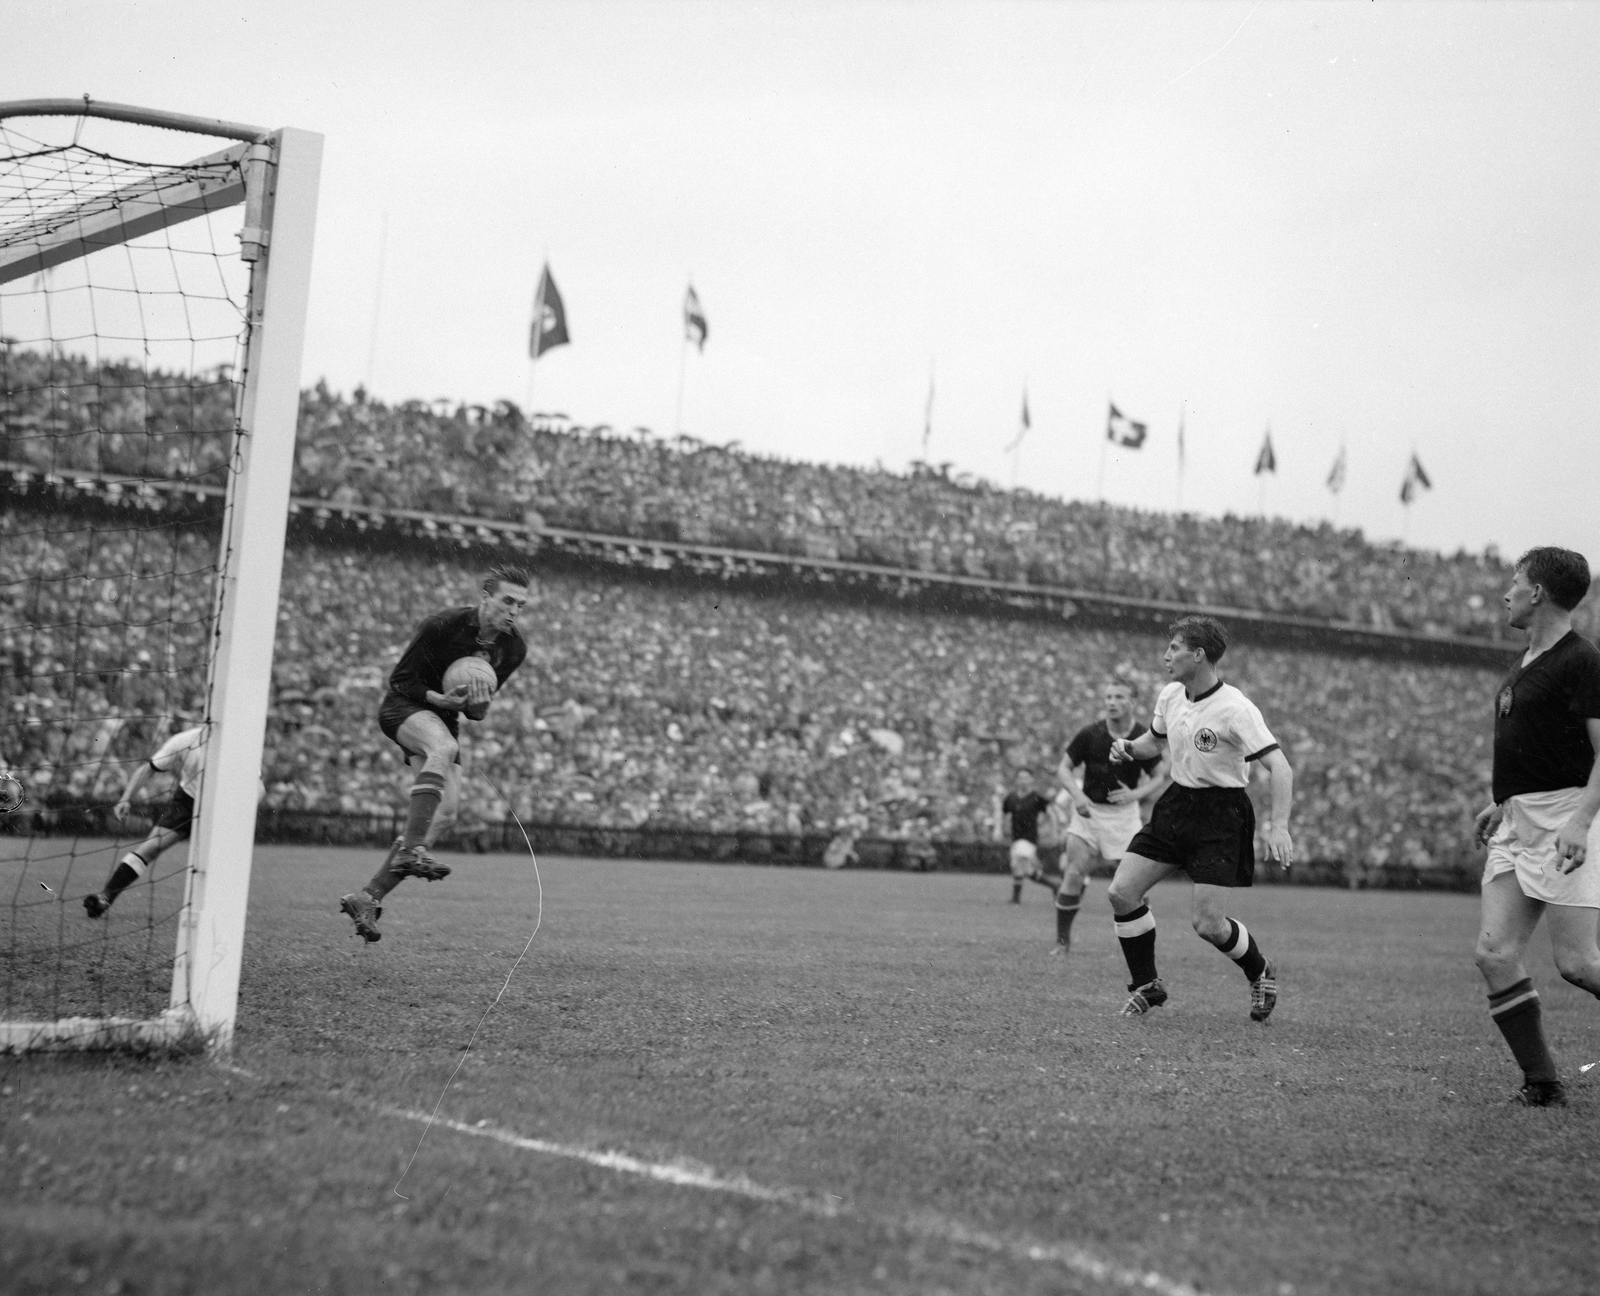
(441, 639)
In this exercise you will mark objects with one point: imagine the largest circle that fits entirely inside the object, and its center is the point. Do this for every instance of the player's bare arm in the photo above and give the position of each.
(1279, 846)
(136, 780)
(1146, 746)
(1487, 822)
(1071, 778)
(1149, 787)
(1572, 842)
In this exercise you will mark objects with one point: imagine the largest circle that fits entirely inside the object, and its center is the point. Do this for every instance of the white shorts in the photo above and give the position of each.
(1107, 828)
(1525, 843)
(1024, 859)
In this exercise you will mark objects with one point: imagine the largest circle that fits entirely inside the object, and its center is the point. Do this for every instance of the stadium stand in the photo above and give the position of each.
(660, 697)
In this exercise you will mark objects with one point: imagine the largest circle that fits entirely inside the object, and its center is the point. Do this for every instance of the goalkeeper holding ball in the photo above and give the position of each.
(421, 715)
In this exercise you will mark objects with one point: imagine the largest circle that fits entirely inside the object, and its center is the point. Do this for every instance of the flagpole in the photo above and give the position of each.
(683, 368)
(1178, 508)
(377, 298)
(538, 336)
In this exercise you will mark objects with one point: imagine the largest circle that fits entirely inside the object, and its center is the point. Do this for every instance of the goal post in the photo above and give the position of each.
(61, 204)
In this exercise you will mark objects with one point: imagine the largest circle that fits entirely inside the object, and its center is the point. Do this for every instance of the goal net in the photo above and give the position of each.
(152, 302)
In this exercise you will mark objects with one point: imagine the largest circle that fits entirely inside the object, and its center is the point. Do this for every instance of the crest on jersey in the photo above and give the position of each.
(1504, 701)
(1205, 739)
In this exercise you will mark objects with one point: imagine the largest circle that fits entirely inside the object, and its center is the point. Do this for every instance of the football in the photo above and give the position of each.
(464, 669)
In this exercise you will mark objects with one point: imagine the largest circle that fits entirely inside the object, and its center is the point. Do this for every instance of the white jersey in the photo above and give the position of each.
(186, 753)
(1213, 737)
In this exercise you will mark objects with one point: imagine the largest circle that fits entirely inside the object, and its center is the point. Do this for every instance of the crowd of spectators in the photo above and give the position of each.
(698, 707)
(717, 710)
(493, 462)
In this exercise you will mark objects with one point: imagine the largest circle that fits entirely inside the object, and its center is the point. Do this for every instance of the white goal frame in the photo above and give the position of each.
(281, 170)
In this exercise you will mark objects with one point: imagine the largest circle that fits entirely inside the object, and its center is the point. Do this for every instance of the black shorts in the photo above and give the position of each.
(1209, 832)
(178, 814)
(396, 709)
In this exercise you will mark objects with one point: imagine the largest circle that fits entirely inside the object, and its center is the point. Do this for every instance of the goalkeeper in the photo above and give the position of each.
(424, 721)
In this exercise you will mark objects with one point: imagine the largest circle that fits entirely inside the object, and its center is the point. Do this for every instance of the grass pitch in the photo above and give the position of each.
(936, 1103)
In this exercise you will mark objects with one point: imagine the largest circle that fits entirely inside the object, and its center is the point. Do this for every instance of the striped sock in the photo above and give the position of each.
(426, 794)
(1136, 933)
(1516, 1012)
(130, 868)
(1241, 947)
(1067, 907)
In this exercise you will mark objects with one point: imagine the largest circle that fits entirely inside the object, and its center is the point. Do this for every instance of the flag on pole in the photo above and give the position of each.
(1336, 473)
(549, 317)
(1266, 461)
(1415, 480)
(1026, 423)
(694, 320)
(1123, 430)
(1180, 439)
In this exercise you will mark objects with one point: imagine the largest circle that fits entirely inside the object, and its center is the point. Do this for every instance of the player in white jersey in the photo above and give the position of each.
(184, 756)
(1204, 824)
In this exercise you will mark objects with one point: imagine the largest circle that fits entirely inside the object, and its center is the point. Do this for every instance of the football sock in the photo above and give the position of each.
(128, 871)
(1016, 893)
(1241, 947)
(1516, 1012)
(1066, 911)
(426, 793)
(1136, 933)
(387, 878)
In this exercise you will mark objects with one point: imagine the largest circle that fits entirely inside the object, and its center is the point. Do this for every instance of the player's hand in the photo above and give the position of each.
(119, 812)
(1572, 843)
(1487, 824)
(1121, 795)
(1121, 751)
(456, 699)
(479, 691)
(1279, 847)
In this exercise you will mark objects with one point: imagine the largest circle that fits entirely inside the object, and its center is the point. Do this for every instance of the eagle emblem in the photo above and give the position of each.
(1205, 739)
(1503, 703)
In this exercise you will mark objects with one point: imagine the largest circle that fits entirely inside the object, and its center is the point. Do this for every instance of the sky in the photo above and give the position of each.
(1360, 225)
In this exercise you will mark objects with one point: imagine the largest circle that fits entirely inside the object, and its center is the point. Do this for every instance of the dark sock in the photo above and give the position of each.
(426, 793)
(1241, 947)
(387, 878)
(1516, 1012)
(129, 870)
(1066, 911)
(1136, 933)
(1016, 892)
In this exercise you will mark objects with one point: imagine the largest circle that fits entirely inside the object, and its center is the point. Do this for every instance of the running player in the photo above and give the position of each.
(184, 756)
(1204, 824)
(1019, 822)
(1106, 797)
(424, 722)
(1540, 826)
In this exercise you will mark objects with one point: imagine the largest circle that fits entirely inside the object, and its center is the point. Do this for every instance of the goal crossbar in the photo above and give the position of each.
(147, 206)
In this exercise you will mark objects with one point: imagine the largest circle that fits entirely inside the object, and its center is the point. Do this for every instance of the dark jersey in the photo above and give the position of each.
(1091, 748)
(441, 639)
(1024, 812)
(1540, 740)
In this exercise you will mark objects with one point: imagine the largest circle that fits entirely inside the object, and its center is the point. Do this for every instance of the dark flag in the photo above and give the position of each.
(694, 320)
(1022, 429)
(549, 317)
(1415, 480)
(1124, 431)
(1266, 461)
(1336, 473)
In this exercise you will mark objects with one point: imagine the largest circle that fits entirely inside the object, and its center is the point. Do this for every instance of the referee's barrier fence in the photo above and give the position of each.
(279, 826)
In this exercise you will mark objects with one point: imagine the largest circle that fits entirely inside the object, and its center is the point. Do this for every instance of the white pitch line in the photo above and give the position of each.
(933, 1227)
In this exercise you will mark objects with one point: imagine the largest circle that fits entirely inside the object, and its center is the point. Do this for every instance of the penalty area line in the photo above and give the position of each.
(684, 1174)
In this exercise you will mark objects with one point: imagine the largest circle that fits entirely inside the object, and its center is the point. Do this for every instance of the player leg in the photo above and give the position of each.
(444, 818)
(1508, 920)
(1136, 928)
(1024, 862)
(1573, 939)
(1077, 858)
(135, 864)
(1233, 938)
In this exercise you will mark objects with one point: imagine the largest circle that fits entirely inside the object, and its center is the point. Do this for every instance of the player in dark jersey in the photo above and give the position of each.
(1019, 814)
(1106, 797)
(1540, 825)
(424, 722)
